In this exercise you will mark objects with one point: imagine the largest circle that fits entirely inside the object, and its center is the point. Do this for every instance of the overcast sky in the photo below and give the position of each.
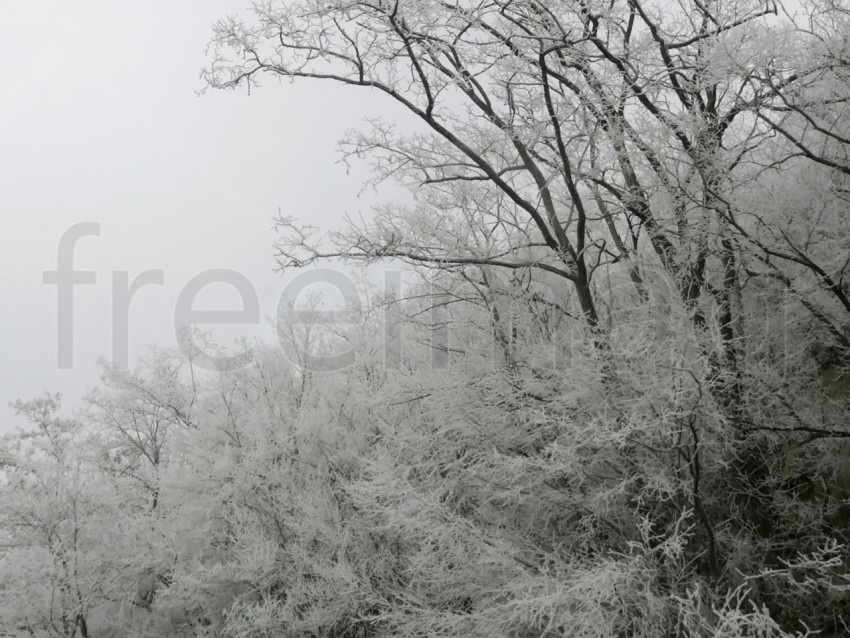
(100, 122)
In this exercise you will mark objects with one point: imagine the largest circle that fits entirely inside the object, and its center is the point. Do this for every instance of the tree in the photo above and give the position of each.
(571, 127)
(51, 526)
(136, 412)
(683, 168)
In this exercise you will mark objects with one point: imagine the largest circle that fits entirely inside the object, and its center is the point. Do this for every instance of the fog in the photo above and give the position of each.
(101, 122)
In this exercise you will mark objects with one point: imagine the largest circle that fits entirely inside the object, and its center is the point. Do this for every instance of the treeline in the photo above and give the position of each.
(615, 403)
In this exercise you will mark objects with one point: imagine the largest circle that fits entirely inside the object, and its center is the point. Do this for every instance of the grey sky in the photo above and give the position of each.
(99, 122)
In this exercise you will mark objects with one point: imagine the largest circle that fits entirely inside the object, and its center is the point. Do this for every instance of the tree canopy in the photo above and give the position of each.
(614, 403)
